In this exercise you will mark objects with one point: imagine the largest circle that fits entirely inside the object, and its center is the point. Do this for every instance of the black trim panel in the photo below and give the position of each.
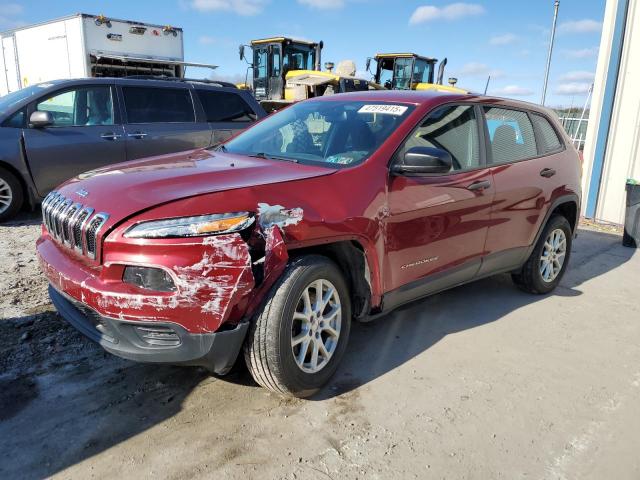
(429, 285)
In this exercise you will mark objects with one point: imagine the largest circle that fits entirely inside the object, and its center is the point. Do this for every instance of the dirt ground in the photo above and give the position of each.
(479, 382)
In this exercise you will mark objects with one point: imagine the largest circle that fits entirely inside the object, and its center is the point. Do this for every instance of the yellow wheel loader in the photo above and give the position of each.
(285, 70)
(409, 71)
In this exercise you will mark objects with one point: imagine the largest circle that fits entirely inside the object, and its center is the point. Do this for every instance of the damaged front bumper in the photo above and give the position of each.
(203, 322)
(154, 342)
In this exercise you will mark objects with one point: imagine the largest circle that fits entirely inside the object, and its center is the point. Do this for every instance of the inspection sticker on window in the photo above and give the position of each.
(384, 108)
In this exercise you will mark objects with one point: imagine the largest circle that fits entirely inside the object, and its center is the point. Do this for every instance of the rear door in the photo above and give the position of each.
(161, 119)
(86, 133)
(523, 173)
(226, 111)
(437, 225)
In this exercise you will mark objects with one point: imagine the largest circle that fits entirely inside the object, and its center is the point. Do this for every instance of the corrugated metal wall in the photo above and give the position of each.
(612, 148)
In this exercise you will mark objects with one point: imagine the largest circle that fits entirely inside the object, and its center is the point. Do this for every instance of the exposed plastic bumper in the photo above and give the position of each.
(155, 342)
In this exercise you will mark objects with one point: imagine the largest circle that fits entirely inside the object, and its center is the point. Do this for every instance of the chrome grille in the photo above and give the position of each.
(73, 224)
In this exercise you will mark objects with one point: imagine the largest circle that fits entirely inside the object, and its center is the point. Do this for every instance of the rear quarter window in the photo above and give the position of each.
(549, 140)
(158, 105)
(225, 107)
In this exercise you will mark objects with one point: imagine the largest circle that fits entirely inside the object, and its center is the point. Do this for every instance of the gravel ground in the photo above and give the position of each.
(479, 382)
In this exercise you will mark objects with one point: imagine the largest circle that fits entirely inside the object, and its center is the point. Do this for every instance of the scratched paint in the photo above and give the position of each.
(277, 215)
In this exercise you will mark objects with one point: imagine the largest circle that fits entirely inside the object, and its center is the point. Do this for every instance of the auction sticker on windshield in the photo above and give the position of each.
(388, 109)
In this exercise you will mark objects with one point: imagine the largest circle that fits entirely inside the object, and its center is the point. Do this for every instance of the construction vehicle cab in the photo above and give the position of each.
(273, 58)
(409, 71)
(287, 71)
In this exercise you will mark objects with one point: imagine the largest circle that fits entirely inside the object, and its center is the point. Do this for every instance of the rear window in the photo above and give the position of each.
(225, 107)
(158, 105)
(548, 136)
(511, 135)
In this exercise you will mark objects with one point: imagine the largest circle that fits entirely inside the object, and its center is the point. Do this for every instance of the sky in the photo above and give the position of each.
(505, 39)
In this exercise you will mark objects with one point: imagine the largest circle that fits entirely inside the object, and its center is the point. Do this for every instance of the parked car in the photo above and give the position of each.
(334, 209)
(53, 131)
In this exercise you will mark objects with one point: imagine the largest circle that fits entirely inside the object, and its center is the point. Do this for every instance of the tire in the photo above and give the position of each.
(531, 278)
(11, 195)
(268, 351)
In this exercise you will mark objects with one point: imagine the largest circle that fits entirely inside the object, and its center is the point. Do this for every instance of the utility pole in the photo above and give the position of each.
(556, 5)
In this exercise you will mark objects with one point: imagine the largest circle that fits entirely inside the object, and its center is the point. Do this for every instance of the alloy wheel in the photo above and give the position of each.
(553, 254)
(6, 195)
(315, 331)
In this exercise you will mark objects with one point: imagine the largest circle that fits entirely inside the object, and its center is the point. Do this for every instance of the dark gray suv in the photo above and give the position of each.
(53, 131)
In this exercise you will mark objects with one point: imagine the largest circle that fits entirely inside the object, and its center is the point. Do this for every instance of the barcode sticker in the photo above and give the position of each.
(384, 108)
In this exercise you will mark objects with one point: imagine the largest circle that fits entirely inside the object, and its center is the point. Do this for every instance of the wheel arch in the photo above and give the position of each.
(566, 205)
(351, 258)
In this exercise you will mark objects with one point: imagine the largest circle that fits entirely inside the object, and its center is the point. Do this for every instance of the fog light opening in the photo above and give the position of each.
(148, 278)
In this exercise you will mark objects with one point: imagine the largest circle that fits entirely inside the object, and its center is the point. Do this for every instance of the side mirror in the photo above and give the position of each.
(241, 51)
(368, 64)
(39, 119)
(420, 161)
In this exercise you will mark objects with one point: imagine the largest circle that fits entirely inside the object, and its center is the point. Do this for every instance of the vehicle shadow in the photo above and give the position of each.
(378, 347)
(25, 218)
(76, 401)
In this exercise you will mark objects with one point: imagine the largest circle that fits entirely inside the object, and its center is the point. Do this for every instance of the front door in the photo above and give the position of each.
(161, 120)
(86, 133)
(276, 82)
(437, 225)
(260, 73)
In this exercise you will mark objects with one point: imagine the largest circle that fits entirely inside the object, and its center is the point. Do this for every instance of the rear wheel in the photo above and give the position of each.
(11, 195)
(300, 334)
(545, 267)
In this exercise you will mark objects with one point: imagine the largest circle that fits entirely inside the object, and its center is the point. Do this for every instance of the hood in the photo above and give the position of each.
(127, 188)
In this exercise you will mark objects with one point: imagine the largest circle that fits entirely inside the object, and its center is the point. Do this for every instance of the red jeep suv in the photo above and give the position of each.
(334, 209)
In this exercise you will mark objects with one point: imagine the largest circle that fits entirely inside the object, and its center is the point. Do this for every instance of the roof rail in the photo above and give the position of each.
(216, 83)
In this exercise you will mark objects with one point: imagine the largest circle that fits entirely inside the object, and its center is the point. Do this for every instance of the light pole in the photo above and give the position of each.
(556, 5)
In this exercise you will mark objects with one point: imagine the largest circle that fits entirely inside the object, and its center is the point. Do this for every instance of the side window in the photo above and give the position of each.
(158, 105)
(510, 134)
(80, 107)
(16, 120)
(225, 107)
(260, 62)
(276, 62)
(548, 136)
(450, 128)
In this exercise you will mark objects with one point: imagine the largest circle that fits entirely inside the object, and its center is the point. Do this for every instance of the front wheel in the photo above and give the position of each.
(545, 267)
(300, 334)
(11, 195)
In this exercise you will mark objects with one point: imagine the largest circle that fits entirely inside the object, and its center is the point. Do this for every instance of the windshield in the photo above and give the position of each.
(299, 58)
(9, 100)
(335, 133)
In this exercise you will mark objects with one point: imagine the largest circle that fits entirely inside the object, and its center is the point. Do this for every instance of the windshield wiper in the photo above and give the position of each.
(267, 156)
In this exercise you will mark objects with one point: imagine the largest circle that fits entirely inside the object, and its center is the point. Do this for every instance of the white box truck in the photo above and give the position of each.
(84, 45)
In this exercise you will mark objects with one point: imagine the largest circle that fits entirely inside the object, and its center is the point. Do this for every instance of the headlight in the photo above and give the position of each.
(191, 226)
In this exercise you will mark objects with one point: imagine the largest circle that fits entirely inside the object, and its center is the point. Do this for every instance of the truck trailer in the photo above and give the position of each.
(84, 45)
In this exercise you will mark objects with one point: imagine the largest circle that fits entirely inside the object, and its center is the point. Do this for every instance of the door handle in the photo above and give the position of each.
(547, 172)
(479, 185)
(137, 135)
(110, 136)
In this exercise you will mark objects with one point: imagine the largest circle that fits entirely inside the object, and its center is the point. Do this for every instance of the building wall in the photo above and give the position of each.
(612, 148)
